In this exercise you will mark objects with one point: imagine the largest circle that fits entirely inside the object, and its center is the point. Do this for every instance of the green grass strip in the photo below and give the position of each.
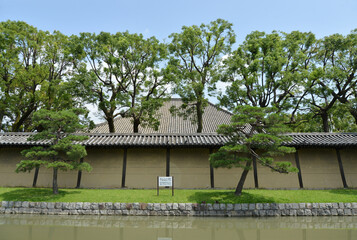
(181, 195)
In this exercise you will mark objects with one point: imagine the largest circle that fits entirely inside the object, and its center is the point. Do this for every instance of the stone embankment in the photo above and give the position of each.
(180, 209)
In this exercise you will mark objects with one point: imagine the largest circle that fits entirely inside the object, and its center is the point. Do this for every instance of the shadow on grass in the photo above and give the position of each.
(346, 192)
(229, 197)
(34, 195)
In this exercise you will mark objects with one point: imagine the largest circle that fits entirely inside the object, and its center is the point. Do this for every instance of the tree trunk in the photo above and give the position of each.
(239, 188)
(325, 124)
(199, 116)
(54, 183)
(136, 125)
(110, 121)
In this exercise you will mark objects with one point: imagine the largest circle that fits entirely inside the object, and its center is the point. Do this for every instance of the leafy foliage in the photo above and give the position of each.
(255, 134)
(196, 51)
(124, 78)
(61, 150)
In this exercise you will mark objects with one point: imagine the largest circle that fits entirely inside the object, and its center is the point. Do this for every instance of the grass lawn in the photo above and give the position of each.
(181, 195)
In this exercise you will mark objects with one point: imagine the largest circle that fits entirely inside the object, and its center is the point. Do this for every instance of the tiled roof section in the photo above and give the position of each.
(322, 139)
(128, 140)
(185, 140)
(212, 118)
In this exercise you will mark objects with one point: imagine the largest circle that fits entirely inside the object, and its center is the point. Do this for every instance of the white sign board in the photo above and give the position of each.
(165, 181)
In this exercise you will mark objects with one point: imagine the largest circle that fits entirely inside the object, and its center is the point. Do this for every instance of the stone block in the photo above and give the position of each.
(340, 212)
(256, 213)
(251, 206)
(103, 212)
(4, 204)
(72, 206)
(175, 206)
(86, 206)
(58, 205)
(248, 213)
(65, 206)
(334, 212)
(181, 206)
(281, 206)
(266, 206)
(294, 206)
(25, 204)
(245, 206)
(307, 212)
(50, 205)
(259, 206)
(300, 212)
(73, 212)
(163, 207)
(17, 204)
(150, 206)
(123, 206)
(222, 206)
(143, 206)
(216, 206)
(101, 206)
(354, 212)
(347, 212)
(302, 205)
(348, 205)
(262, 213)
(237, 206)
(274, 206)
(94, 206)
(109, 206)
(354, 205)
(116, 206)
(335, 205)
(157, 206)
(229, 207)
(188, 207)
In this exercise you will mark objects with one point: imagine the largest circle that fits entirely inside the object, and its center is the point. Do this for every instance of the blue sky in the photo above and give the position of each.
(160, 18)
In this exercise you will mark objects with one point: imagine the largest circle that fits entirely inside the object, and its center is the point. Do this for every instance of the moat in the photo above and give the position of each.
(39, 227)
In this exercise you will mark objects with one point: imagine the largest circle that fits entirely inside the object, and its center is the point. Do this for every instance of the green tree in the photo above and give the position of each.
(124, 76)
(269, 70)
(35, 71)
(196, 52)
(60, 152)
(255, 134)
(334, 78)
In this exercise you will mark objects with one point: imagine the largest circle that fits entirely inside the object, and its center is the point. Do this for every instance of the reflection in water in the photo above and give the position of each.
(28, 227)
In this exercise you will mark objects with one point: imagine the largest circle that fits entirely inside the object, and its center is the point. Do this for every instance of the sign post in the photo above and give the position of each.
(165, 182)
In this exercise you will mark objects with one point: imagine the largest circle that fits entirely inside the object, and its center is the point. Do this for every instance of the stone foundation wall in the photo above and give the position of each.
(180, 209)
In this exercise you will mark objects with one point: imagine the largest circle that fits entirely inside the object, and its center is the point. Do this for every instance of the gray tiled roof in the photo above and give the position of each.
(323, 139)
(188, 140)
(212, 118)
(127, 140)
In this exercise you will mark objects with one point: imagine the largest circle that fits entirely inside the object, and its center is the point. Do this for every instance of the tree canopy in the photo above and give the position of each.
(196, 51)
(60, 150)
(311, 81)
(255, 134)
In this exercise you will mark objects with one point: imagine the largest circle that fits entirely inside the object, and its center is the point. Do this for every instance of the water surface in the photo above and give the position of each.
(30, 227)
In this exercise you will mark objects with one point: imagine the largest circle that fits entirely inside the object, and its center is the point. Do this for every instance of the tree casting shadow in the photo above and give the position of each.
(229, 197)
(34, 195)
